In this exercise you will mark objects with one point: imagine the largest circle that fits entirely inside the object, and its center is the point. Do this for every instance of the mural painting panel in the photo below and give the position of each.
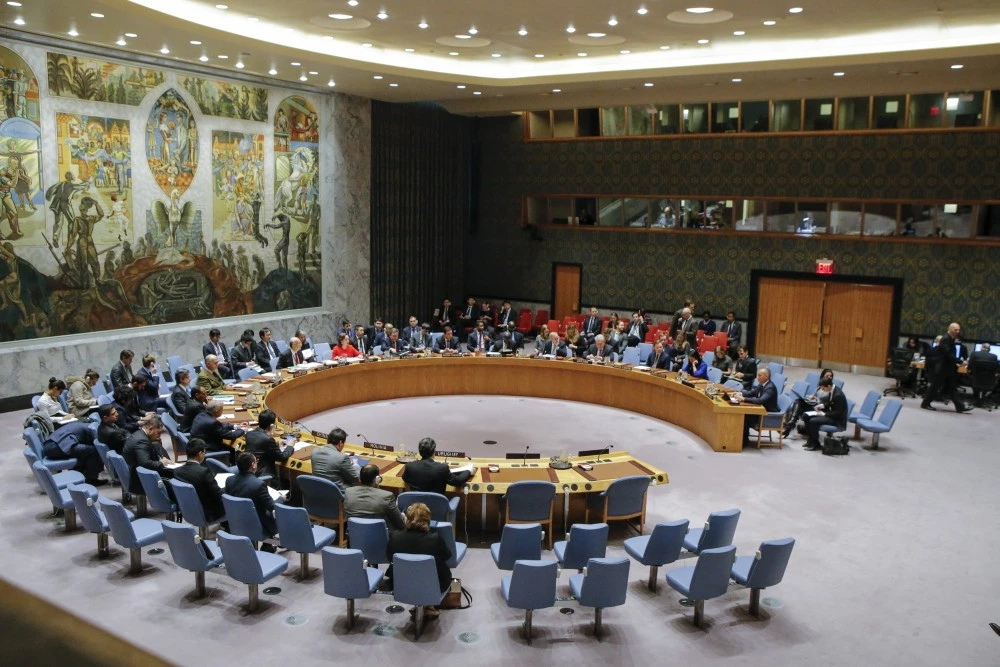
(98, 80)
(228, 100)
(21, 196)
(172, 143)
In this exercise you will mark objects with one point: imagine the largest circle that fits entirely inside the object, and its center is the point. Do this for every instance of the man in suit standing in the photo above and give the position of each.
(293, 355)
(600, 351)
(679, 315)
(553, 346)
(208, 427)
(245, 484)
(242, 355)
(121, 373)
(266, 350)
(209, 377)
(832, 409)
(199, 399)
(658, 358)
(260, 442)
(448, 344)
(765, 393)
(330, 462)
(618, 339)
(591, 326)
(218, 348)
(367, 501)
(687, 327)
(149, 396)
(636, 330)
(479, 339)
(443, 317)
(143, 449)
(429, 475)
(202, 478)
(947, 357)
(734, 330)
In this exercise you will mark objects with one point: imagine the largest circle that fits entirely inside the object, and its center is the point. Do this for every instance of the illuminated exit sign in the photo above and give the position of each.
(824, 267)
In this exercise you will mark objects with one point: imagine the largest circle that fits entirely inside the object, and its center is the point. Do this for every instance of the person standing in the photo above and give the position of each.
(948, 356)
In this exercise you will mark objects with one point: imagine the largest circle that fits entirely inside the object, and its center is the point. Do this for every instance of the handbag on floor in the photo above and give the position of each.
(836, 446)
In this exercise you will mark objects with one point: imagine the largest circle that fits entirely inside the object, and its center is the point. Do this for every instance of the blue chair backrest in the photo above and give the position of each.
(530, 500)
(533, 584)
(64, 400)
(714, 375)
(344, 574)
(242, 517)
(414, 579)
(779, 381)
(645, 349)
(169, 423)
(784, 402)
(371, 537)
(869, 405)
(85, 500)
(586, 541)
(711, 574)
(30, 436)
(776, 369)
(800, 388)
(240, 558)
(377, 350)
(156, 493)
(48, 484)
(190, 504)
(184, 548)
(122, 471)
(838, 383)
(720, 531)
(323, 351)
(447, 533)
(519, 541)
(106, 399)
(174, 362)
(626, 495)
(768, 569)
(118, 522)
(247, 373)
(436, 503)
(890, 412)
(218, 466)
(850, 409)
(735, 385)
(708, 357)
(812, 380)
(321, 497)
(99, 390)
(606, 582)
(282, 346)
(666, 541)
(631, 356)
(34, 402)
(294, 528)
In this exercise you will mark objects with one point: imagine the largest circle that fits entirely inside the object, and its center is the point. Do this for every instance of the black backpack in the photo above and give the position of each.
(836, 446)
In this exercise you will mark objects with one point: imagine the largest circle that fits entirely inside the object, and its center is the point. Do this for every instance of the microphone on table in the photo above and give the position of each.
(606, 450)
(366, 442)
(524, 459)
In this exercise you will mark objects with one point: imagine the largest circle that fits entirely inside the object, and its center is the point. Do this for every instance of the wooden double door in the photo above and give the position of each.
(841, 325)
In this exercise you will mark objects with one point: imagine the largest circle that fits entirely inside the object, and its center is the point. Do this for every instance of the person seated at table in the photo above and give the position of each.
(48, 402)
(612, 325)
(199, 399)
(367, 501)
(199, 475)
(246, 484)
(419, 538)
(293, 355)
(707, 324)
(636, 330)
(516, 337)
(343, 348)
(214, 431)
(180, 395)
(331, 463)
(722, 360)
(804, 404)
(427, 474)
(831, 409)
(218, 348)
(261, 443)
(542, 338)
(554, 346)
(76, 441)
(678, 352)
(209, 377)
(658, 359)
(143, 449)
(697, 368)
(917, 346)
(127, 408)
(575, 343)
(764, 394)
(81, 396)
(420, 340)
(745, 368)
(600, 351)
(305, 340)
(376, 333)
(617, 338)
(242, 355)
(411, 330)
(447, 344)
(109, 432)
(479, 338)
(395, 346)
(504, 344)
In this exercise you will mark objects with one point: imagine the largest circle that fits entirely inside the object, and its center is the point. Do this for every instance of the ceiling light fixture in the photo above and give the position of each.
(367, 45)
(582, 55)
(294, 63)
(453, 53)
(352, 3)
(164, 50)
(394, 85)
(624, 52)
(957, 66)
(460, 87)
(838, 73)
(303, 78)
(18, 21)
(222, 6)
(14, 4)
(495, 55)
(377, 77)
(612, 21)
(795, 10)
(557, 90)
(703, 41)
(314, 73)
(97, 15)
(664, 48)
(539, 55)
(769, 22)
(737, 80)
(341, 17)
(195, 42)
(73, 33)
(570, 29)
(382, 15)
(473, 30)
(642, 11)
(422, 25)
(476, 92)
(699, 10)
(131, 35)
(523, 31)
(272, 72)
(739, 33)
(239, 64)
(460, 36)
(203, 58)
(253, 19)
(222, 56)
(597, 34)
(121, 42)
(409, 50)
(648, 84)
(331, 83)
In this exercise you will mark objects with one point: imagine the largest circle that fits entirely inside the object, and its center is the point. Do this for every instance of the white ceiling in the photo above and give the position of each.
(883, 46)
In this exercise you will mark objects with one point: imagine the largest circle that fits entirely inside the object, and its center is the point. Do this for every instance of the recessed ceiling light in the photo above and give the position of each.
(222, 6)
(737, 80)
(838, 74)
(331, 83)
(597, 34)
(612, 21)
(73, 33)
(341, 17)
(422, 25)
(327, 38)
(624, 52)
(664, 48)
(582, 55)
(703, 41)
(699, 10)
(795, 10)
(642, 11)
(14, 4)
(382, 15)
(222, 56)
(570, 29)
(97, 15)
(539, 55)
(409, 50)
(453, 53)
(131, 35)
(739, 33)
(203, 58)
(367, 45)
(164, 50)
(648, 84)
(18, 21)
(314, 73)
(253, 19)
(476, 92)
(770, 22)
(352, 3)
(121, 42)
(473, 30)
(460, 36)
(523, 31)
(272, 71)
(294, 63)
(303, 78)
(957, 66)
(394, 85)
(460, 87)
(557, 90)
(195, 42)
(240, 65)
(495, 55)
(377, 77)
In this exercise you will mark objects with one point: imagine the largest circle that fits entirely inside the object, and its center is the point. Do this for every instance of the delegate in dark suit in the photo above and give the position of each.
(150, 396)
(262, 445)
(591, 327)
(945, 359)
(558, 349)
(289, 359)
(213, 431)
(202, 478)
(422, 542)
(504, 317)
(141, 452)
(128, 416)
(240, 357)
(982, 362)
(181, 399)
(636, 331)
(335, 466)
(75, 441)
(263, 357)
(193, 410)
(222, 352)
(247, 485)
(748, 367)
(658, 360)
(603, 353)
(369, 502)
(430, 475)
(112, 435)
(443, 343)
(734, 330)
(618, 342)
(765, 394)
(120, 374)
(834, 409)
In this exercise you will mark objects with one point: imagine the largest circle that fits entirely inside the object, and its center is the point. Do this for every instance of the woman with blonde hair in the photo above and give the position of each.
(418, 538)
(575, 342)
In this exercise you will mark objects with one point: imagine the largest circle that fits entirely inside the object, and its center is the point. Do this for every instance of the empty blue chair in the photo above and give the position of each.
(346, 577)
(779, 381)
(370, 537)
(64, 401)
(531, 586)
(124, 474)
(604, 585)
(104, 400)
(243, 519)
(800, 389)
(662, 547)
(521, 541)
(85, 502)
(31, 437)
(60, 498)
(774, 421)
(764, 569)
(132, 535)
(866, 411)
(585, 541)
(191, 507)
(714, 375)
(734, 385)
(708, 579)
(156, 493)
(776, 369)
(247, 373)
(838, 383)
(218, 467)
(325, 503)
(456, 548)
(174, 362)
(530, 501)
(300, 536)
(624, 499)
(323, 351)
(884, 422)
(631, 356)
(34, 402)
(99, 390)
(60, 479)
(837, 428)
(103, 451)
(415, 581)
(708, 358)
(718, 532)
(191, 552)
(645, 349)
(249, 566)
(282, 346)
(178, 440)
(442, 508)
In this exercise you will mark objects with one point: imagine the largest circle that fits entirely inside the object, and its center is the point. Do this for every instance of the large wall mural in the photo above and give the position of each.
(101, 241)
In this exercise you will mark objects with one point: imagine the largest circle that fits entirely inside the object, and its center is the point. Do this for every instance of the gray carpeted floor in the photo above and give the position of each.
(894, 564)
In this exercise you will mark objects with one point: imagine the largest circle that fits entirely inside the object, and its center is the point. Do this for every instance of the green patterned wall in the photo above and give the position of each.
(942, 282)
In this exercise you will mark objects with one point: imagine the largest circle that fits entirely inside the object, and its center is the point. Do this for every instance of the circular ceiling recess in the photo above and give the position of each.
(715, 16)
(470, 43)
(356, 23)
(607, 40)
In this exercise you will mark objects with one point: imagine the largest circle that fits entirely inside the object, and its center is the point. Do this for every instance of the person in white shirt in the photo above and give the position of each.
(48, 402)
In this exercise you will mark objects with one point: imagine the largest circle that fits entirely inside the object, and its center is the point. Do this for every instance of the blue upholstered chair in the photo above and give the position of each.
(831, 429)
(812, 382)
(243, 520)
(734, 385)
(156, 493)
(442, 508)
(129, 534)
(323, 351)
(662, 547)
(764, 569)
(34, 402)
(191, 507)
(282, 346)
(31, 437)
(866, 411)
(124, 474)
(800, 389)
(522, 541)
(838, 383)
(300, 536)
(218, 467)
(249, 566)
(774, 421)
(884, 422)
(604, 585)
(457, 549)
(714, 375)
(174, 362)
(645, 349)
(178, 440)
(325, 503)
(585, 541)
(624, 499)
(84, 498)
(60, 498)
(531, 501)
(631, 356)
(370, 537)
(99, 390)
(346, 577)
(246, 373)
(531, 586)
(708, 358)
(708, 579)
(60, 479)
(64, 400)
(776, 369)
(191, 552)
(718, 532)
(415, 581)
(104, 400)
(103, 451)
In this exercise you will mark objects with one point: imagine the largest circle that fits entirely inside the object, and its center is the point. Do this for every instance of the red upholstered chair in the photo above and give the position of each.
(722, 338)
(524, 322)
(663, 324)
(651, 334)
(541, 317)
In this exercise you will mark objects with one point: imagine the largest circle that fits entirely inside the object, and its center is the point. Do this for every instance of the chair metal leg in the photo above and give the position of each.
(254, 603)
(135, 561)
(102, 544)
(140, 505)
(857, 432)
(199, 584)
(699, 612)
(598, 625)
(203, 532)
(303, 566)
(419, 621)
(755, 601)
(350, 614)
(527, 625)
(653, 571)
(70, 517)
